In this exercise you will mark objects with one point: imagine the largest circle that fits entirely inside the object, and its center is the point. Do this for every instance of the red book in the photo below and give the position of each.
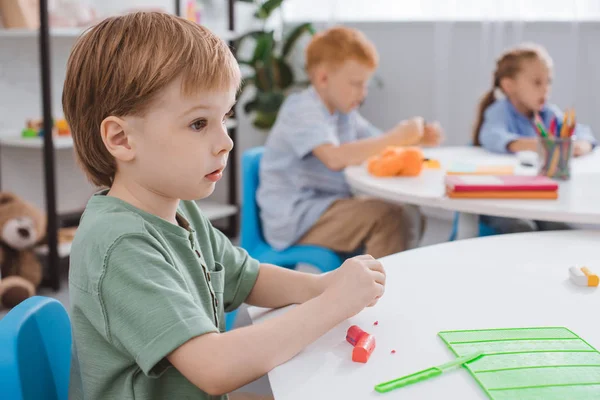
(484, 183)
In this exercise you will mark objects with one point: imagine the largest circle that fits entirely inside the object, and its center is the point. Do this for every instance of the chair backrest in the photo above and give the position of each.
(251, 232)
(35, 351)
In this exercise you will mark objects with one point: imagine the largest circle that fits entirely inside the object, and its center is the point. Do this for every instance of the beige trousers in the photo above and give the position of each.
(381, 228)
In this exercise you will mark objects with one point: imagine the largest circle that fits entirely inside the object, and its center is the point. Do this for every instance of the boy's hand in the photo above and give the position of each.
(432, 135)
(409, 132)
(358, 283)
(582, 147)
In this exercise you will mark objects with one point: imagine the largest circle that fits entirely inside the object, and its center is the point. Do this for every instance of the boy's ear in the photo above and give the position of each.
(320, 75)
(114, 135)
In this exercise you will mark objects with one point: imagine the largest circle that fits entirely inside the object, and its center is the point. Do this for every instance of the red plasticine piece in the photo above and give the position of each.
(376, 323)
(353, 335)
(364, 348)
(363, 343)
(393, 351)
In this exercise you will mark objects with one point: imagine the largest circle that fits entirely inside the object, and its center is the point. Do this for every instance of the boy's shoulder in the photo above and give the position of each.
(301, 105)
(103, 222)
(106, 224)
(101, 226)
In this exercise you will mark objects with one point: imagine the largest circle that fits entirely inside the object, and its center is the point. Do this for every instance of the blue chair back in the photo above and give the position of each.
(251, 231)
(35, 351)
(251, 236)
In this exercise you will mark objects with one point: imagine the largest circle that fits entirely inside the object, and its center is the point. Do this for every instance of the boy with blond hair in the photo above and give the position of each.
(303, 194)
(146, 96)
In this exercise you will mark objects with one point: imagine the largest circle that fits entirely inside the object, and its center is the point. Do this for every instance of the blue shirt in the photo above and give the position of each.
(296, 187)
(502, 124)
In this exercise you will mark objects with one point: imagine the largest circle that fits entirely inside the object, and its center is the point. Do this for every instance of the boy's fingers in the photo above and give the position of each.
(375, 265)
(378, 277)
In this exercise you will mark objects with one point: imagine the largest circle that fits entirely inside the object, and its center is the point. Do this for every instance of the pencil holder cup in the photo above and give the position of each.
(555, 157)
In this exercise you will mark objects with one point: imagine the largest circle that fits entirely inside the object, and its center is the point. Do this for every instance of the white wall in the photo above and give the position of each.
(434, 69)
(440, 69)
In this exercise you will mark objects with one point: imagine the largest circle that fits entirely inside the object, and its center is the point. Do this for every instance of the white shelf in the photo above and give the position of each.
(226, 35)
(211, 209)
(60, 142)
(214, 210)
(30, 33)
(64, 250)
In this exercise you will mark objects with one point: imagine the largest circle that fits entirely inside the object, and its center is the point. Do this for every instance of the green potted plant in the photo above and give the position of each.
(270, 71)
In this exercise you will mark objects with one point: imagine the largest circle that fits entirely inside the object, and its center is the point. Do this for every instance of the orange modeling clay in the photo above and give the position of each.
(397, 161)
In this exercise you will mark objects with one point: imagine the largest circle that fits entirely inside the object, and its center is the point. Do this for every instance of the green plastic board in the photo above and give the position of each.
(530, 363)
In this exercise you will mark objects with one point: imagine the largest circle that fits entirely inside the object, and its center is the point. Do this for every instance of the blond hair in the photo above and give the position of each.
(119, 66)
(336, 45)
(508, 65)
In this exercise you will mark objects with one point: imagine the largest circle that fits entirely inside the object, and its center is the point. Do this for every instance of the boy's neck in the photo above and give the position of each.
(145, 199)
(321, 93)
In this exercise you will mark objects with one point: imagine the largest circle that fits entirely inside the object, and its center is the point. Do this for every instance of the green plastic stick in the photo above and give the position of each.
(424, 374)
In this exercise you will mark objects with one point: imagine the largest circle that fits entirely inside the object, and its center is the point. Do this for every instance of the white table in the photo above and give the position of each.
(578, 202)
(503, 281)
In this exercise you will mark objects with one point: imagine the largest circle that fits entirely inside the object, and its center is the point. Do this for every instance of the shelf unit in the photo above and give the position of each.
(227, 35)
(60, 142)
(48, 144)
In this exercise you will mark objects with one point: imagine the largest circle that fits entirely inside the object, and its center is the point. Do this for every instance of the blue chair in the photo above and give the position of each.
(35, 351)
(484, 229)
(251, 237)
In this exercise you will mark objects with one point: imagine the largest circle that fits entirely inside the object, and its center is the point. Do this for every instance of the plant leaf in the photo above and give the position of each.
(269, 101)
(264, 120)
(264, 47)
(250, 106)
(294, 35)
(267, 8)
(237, 43)
(283, 74)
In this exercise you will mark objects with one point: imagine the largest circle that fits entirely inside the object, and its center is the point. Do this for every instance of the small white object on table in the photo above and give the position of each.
(578, 200)
(505, 281)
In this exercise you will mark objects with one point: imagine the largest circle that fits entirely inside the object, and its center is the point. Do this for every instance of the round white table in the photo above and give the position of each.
(504, 281)
(578, 200)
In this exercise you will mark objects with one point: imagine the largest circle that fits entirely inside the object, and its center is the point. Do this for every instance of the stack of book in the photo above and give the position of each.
(500, 187)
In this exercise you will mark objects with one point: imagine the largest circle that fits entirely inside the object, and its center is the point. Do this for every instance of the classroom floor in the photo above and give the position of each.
(437, 232)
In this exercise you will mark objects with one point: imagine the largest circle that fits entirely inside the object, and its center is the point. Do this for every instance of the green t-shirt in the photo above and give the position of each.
(140, 287)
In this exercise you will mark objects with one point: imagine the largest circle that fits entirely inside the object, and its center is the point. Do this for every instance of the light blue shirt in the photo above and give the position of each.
(502, 124)
(296, 187)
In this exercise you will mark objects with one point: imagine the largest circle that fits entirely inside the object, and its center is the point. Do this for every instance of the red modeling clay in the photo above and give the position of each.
(363, 343)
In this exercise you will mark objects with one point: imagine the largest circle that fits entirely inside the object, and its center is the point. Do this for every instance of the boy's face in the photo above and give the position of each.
(346, 85)
(180, 143)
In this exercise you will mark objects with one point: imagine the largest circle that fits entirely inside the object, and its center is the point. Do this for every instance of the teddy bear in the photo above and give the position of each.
(22, 227)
